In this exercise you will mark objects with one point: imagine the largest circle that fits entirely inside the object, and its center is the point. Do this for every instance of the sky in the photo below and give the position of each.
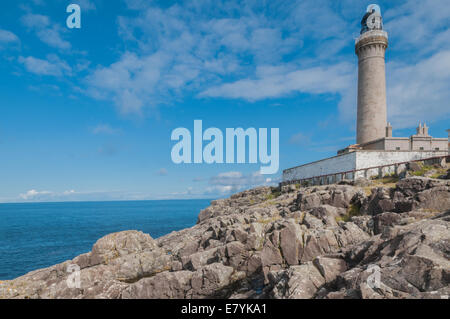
(87, 114)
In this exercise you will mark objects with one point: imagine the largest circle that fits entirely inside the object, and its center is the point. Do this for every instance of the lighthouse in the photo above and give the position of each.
(370, 48)
(377, 151)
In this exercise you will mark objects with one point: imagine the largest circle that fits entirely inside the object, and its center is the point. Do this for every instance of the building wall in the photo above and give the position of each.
(441, 143)
(331, 165)
(375, 145)
(356, 160)
(418, 143)
(448, 131)
(406, 144)
(403, 143)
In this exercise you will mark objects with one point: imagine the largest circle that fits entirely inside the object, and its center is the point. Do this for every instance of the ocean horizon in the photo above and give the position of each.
(39, 235)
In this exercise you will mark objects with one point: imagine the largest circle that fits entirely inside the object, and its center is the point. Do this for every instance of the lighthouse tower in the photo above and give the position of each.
(370, 48)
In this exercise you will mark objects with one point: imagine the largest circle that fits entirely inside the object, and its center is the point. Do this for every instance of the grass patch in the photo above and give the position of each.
(266, 221)
(353, 210)
(368, 190)
(389, 181)
(423, 170)
(440, 172)
(273, 195)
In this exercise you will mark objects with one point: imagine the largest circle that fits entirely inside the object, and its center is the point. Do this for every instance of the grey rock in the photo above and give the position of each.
(255, 245)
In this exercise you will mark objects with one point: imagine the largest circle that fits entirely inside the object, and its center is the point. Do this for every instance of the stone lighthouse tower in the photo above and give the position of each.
(370, 48)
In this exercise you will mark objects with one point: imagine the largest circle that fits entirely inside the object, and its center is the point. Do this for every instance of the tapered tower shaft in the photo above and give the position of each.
(370, 48)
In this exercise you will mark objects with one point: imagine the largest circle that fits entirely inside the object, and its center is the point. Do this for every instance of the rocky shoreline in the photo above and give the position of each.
(364, 240)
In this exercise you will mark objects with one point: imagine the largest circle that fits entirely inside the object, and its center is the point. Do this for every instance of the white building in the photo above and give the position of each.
(377, 151)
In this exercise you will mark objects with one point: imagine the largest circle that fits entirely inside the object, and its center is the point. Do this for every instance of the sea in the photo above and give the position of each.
(38, 235)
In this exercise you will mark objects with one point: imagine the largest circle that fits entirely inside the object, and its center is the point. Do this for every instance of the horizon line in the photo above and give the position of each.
(106, 201)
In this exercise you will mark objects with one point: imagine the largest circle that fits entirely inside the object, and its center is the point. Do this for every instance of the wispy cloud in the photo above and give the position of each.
(8, 38)
(53, 66)
(230, 182)
(35, 195)
(48, 32)
(419, 92)
(86, 5)
(238, 50)
(183, 49)
(300, 139)
(194, 48)
(105, 129)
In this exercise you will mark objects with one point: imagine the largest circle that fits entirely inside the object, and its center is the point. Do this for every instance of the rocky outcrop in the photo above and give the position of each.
(409, 194)
(336, 241)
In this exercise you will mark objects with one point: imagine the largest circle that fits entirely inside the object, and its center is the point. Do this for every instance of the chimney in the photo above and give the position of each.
(425, 129)
(389, 130)
(419, 129)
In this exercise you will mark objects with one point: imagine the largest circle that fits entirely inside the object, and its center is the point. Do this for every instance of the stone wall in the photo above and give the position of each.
(358, 160)
(366, 159)
(331, 165)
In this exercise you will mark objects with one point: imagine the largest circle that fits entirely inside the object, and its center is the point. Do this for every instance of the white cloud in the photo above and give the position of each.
(72, 195)
(34, 195)
(47, 31)
(53, 66)
(31, 20)
(415, 23)
(237, 50)
(105, 129)
(233, 181)
(137, 4)
(52, 37)
(85, 5)
(419, 92)
(8, 37)
(129, 82)
(182, 49)
(333, 79)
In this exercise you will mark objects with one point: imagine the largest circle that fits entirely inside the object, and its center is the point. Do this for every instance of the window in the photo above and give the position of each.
(421, 148)
(436, 149)
(397, 148)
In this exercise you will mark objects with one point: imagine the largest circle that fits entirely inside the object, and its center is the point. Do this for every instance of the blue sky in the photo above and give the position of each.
(87, 114)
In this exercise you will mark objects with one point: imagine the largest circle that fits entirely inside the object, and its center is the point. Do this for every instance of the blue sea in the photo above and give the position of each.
(37, 235)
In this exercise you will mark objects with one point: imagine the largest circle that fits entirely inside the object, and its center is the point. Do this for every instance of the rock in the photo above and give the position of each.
(333, 195)
(119, 244)
(303, 243)
(411, 264)
(198, 260)
(414, 166)
(328, 214)
(209, 280)
(362, 182)
(298, 282)
(166, 285)
(290, 242)
(270, 255)
(385, 220)
(410, 194)
(330, 268)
